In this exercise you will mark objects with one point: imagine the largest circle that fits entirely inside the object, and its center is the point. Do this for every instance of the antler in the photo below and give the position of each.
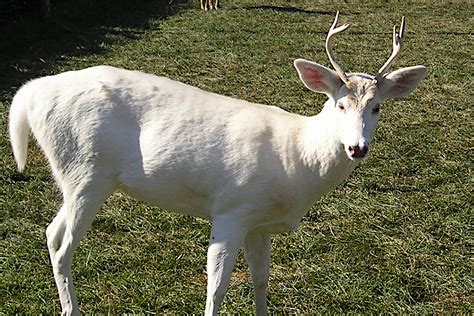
(332, 58)
(397, 48)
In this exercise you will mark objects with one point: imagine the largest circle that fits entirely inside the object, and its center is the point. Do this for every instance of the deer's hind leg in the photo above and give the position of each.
(66, 230)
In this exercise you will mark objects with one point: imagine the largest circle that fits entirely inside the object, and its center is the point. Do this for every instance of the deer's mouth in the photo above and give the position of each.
(356, 152)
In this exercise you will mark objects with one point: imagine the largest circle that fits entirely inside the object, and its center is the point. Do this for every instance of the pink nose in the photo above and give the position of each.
(358, 152)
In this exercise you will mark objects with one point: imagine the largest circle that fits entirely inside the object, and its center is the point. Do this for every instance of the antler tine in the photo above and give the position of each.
(397, 48)
(332, 58)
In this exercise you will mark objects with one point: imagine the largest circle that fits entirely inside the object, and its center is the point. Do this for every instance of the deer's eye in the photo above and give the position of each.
(376, 109)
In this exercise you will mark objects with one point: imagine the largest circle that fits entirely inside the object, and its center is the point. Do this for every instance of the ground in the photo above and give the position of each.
(394, 238)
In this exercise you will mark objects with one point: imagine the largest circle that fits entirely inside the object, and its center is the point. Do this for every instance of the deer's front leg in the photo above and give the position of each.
(224, 245)
(257, 247)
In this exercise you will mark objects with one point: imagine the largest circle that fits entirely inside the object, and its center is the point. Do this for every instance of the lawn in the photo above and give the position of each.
(396, 237)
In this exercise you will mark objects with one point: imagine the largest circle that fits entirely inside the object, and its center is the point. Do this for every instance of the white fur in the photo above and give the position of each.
(209, 4)
(251, 169)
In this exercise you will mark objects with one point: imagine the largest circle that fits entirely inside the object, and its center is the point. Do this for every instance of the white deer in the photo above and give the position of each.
(252, 170)
(207, 5)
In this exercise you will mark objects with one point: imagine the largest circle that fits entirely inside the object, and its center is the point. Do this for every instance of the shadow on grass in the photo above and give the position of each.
(31, 46)
(287, 9)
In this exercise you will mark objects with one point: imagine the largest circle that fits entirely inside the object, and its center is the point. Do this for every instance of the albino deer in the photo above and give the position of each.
(209, 4)
(252, 170)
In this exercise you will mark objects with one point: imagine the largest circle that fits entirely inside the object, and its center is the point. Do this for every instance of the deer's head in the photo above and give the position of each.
(355, 98)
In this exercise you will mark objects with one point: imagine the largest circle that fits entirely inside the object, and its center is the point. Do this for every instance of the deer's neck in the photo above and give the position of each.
(322, 151)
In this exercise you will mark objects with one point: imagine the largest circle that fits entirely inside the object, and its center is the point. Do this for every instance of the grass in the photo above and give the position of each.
(396, 237)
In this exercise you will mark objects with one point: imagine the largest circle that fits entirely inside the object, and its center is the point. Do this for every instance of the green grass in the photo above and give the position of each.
(396, 237)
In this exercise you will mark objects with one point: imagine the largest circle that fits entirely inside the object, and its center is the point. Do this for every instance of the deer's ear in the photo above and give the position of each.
(318, 78)
(401, 82)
